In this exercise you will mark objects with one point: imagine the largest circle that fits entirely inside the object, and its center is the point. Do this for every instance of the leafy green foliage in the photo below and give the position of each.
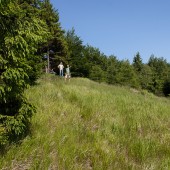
(95, 58)
(160, 70)
(112, 69)
(21, 33)
(137, 62)
(145, 77)
(97, 74)
(121, 72)
(75, 54)
(56, 45)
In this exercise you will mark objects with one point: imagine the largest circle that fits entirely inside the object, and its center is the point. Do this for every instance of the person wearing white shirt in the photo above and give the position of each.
(61, 67)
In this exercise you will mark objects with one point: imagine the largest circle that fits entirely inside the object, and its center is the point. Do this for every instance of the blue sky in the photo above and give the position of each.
(120, 27)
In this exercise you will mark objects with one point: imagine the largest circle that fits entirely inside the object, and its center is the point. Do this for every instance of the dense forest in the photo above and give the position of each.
(30, 34)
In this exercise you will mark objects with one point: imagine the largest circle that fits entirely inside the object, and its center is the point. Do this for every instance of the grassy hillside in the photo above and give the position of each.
(85, 125)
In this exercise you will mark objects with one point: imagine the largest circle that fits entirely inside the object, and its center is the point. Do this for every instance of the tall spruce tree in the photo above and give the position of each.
(21, 32)
(137, 62)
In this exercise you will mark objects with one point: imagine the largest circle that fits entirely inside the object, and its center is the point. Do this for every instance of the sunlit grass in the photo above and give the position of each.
(85, 125)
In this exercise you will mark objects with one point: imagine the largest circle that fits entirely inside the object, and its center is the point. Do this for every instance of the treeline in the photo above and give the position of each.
(88, 61)
(31, 33)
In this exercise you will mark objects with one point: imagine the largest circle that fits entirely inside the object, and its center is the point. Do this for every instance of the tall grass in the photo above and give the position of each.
(85, 125)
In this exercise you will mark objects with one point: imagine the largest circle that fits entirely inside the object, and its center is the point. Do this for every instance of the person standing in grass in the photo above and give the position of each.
(67, 74)
(61, 67)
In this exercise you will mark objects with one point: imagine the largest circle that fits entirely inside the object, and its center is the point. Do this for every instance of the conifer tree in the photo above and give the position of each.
(112, 69)
(159, 67)
(56, 46)
(126, 75)
(137, 62)
(21, 32)
(75, 53)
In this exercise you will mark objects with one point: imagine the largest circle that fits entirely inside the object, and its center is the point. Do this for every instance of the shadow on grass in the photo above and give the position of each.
(14, 140)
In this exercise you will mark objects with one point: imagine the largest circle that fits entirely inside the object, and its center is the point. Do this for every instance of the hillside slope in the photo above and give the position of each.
(85, 125)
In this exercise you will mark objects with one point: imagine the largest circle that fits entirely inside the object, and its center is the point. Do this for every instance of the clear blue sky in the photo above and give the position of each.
(120, 27)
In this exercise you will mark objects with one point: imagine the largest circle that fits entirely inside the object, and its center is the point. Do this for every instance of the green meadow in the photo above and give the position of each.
(84, 125)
